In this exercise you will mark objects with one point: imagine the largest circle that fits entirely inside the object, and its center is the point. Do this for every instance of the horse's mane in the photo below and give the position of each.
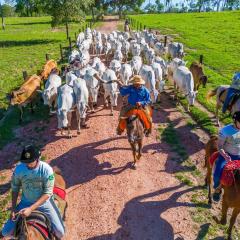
(57, 170)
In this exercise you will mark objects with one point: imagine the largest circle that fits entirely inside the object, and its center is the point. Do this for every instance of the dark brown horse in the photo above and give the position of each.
(231, 196)
(135, 133)
(28, 231)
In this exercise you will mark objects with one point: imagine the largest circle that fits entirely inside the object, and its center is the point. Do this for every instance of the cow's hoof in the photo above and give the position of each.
(78, 132)
(69, 136)
(111, 114)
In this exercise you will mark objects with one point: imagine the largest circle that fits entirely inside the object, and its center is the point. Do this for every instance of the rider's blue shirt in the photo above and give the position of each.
(135, 95)
(33, 182)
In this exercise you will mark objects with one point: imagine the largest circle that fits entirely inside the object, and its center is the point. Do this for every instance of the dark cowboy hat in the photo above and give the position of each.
(29, 154)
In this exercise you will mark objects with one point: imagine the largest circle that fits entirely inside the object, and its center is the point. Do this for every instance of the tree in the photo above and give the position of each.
(150, 8)
(159, 6)
(121, 5)
(64, 11)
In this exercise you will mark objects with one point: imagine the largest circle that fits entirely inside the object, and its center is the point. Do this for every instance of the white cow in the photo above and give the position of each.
(174, 64)
(70, 78)
(110, 89)
(185, 84)
(175, 50)
(66, 102)
(126, 73)
(136, 64)
(148, 75)
(115, 65)
(80, 38)
(84, 58)
(118, 55)
(74, 56)
(49, 94)
(158, 76)
(136, 49)
(81, 92)
(163, 64)
(160, 49)
(92, 85)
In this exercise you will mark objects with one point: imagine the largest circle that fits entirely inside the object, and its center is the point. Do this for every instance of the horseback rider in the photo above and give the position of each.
(126, 25)
(229, 149)
(36, 179)
(232, 90)
(138, 96)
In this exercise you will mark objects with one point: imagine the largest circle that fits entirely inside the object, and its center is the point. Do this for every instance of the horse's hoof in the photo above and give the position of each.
(223, 222)
(139, 156)
(210, 202)
(133, 166)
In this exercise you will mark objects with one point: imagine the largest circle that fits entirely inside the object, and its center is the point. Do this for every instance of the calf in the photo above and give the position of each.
(26, 93)
(198, 75)
(136, 64)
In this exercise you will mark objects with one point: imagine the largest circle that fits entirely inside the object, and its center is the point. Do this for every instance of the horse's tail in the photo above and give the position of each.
(212, 93)
(57, 170)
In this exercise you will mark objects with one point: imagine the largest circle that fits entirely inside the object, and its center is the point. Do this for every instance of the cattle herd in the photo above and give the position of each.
(98, 61)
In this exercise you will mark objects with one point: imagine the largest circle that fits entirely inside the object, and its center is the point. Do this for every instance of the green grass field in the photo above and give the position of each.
(23, 46)
(216, 35)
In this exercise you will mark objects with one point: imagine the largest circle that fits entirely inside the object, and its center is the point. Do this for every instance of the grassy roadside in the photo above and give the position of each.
(216, 38)
(190, 175)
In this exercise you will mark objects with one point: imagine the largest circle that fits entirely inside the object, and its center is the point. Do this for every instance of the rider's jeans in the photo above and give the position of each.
(220, 164)
(51, 211)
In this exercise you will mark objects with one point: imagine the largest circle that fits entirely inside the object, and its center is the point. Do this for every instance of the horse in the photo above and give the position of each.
(135, 134)
(210, 148)
(27, 229)
(221, 93)
(231, 196)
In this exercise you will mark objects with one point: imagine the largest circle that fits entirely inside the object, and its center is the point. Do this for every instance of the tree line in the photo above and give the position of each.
(63, 11)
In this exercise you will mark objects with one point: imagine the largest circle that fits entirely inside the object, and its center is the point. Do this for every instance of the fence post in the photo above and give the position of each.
(76, 37)
(47, 56)
(61, 52)
(165, 41)
(144, 27)
(70, 44)
(25, 75)
(201, 59)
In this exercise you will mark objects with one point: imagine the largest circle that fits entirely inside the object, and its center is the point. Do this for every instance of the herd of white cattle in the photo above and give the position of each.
(103, 58)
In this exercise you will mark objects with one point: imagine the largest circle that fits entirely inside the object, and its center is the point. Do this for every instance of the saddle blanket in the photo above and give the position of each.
(227, 178)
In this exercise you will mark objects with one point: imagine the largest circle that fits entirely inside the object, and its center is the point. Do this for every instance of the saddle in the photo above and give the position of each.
(146, 119)
(231, 171)
(233, 99)
(39, 221)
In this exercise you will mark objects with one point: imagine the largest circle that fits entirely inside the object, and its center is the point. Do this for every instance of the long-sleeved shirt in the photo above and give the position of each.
(33, 182)
(229, 139)
(135, 95)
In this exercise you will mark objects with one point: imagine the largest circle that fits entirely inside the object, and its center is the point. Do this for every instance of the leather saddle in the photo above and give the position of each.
(39, 221)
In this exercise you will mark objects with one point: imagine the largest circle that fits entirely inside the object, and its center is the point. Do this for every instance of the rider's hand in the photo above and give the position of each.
(13, 215)
(138, 104)
(26, 212)
(227, 157)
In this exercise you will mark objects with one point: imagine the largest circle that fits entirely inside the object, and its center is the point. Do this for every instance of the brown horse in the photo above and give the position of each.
(210, 148)
(135, 133)
(231, 196)
(28, 231)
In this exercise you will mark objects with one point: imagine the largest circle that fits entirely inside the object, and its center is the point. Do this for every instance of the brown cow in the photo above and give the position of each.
(47, 69)
(198, 75)
(26, 93)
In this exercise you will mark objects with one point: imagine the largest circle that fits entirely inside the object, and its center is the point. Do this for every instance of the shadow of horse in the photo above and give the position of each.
(142, 218)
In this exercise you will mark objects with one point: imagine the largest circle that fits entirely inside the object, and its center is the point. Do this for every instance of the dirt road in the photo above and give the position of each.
(106, 198)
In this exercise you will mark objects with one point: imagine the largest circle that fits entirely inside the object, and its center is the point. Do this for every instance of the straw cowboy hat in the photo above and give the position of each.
(137, 80)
